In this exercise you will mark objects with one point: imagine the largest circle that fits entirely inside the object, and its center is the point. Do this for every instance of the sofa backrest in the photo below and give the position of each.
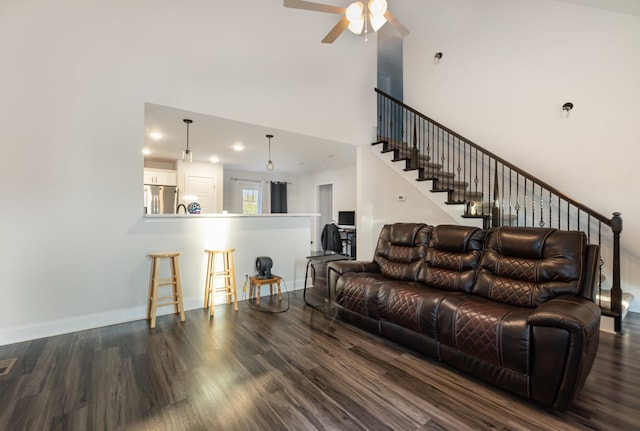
(401, 249)
(452, 257)
(527, 266)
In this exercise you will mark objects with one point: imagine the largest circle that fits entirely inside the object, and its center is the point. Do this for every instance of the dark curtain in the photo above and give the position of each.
(278, 197)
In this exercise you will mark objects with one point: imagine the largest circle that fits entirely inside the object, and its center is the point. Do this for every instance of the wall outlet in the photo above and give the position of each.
(401, 198)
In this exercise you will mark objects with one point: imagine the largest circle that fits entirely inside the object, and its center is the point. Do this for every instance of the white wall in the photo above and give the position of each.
(383, 185)
(508, 67)
(74, 81)
(344, 188)
(71, 280)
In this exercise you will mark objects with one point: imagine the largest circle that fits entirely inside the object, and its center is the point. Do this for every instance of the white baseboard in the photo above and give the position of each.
(91, 321)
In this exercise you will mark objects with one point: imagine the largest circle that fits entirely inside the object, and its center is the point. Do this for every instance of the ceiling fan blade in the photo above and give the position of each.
(336, 30)
(318, 7)
(397, 24)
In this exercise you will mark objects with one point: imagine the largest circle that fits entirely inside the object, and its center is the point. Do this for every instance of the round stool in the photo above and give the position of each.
(256, 283)
(155, 282)
(226, 271)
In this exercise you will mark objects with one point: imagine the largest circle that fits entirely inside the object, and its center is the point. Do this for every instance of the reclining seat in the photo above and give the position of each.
(408, 311)
(398, 256)
(515, 329)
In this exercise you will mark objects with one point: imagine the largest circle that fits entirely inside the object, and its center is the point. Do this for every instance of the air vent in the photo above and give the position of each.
(6, 365)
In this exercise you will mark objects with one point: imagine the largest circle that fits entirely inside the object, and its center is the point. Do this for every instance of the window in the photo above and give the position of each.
(251, 201)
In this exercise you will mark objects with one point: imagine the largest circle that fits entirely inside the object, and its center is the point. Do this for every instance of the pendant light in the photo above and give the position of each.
(187, 155)
(270, 166)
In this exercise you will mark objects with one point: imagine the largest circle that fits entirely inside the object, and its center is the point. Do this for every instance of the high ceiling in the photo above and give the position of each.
(292, 153)
(631, 7)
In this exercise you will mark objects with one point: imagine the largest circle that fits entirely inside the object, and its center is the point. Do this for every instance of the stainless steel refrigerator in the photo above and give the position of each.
(160, 199)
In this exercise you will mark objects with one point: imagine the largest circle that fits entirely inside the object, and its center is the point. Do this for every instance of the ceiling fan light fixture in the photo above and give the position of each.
(377, 9)
(355, 15)
(377, 21)
(355, 11)
(356, 26)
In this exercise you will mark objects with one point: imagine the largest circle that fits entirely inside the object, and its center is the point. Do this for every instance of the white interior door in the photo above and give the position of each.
(204, 191)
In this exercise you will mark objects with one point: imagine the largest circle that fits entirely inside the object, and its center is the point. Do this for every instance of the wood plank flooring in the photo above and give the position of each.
(297, 370)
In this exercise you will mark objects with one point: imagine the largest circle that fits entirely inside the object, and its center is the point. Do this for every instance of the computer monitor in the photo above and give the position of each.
(347, 218)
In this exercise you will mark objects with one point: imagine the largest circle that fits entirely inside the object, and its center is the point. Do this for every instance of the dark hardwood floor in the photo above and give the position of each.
(297, 370)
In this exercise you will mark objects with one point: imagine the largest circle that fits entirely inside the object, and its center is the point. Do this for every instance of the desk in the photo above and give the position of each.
(254, 281)
(348, 237)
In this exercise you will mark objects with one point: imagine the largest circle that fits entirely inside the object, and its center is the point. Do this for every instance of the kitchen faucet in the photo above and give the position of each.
(178, 208)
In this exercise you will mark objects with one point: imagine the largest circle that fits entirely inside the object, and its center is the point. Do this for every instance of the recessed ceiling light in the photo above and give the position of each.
(214, 159)
(146, 151)
(155, 135)
(237, 147)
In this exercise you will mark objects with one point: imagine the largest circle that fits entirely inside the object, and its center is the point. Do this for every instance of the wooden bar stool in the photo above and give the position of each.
(226, 272)
(155, 282)
(257, 283)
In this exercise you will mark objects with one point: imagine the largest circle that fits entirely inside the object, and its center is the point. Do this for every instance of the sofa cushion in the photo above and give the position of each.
(528, 266)
(452, 257)
(493, 332)
(358, 292)
(401, 249)
(411, 305)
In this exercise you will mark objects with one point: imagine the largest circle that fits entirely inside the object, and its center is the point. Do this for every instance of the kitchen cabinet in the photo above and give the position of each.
(163, 177)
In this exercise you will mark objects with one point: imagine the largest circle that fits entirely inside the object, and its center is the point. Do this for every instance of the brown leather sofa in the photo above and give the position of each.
(511, 305)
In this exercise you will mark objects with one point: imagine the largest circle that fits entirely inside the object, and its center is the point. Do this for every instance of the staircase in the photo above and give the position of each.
(489, 188)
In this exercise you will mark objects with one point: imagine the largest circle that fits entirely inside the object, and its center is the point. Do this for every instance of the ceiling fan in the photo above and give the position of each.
(357, 17)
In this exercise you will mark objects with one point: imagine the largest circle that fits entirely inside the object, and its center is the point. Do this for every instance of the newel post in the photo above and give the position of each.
(616, 290)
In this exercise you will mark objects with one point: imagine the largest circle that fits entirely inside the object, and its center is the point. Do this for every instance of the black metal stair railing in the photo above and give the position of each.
(495, 190)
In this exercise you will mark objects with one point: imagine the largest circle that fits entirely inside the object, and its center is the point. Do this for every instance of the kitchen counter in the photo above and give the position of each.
(152, 217)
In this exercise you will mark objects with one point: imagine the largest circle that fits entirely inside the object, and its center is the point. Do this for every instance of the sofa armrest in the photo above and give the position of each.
(337, 268)
(566, 333)
(572, 313)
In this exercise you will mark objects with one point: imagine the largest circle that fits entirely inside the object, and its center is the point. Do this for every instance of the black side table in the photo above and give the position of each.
(319, 289)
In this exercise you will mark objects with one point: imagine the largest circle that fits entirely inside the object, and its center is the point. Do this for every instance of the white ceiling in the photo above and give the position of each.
(631, 7)
(292, 153)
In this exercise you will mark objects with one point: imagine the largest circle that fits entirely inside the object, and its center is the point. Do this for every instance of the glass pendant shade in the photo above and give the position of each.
(270, 166)
(187, 156)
